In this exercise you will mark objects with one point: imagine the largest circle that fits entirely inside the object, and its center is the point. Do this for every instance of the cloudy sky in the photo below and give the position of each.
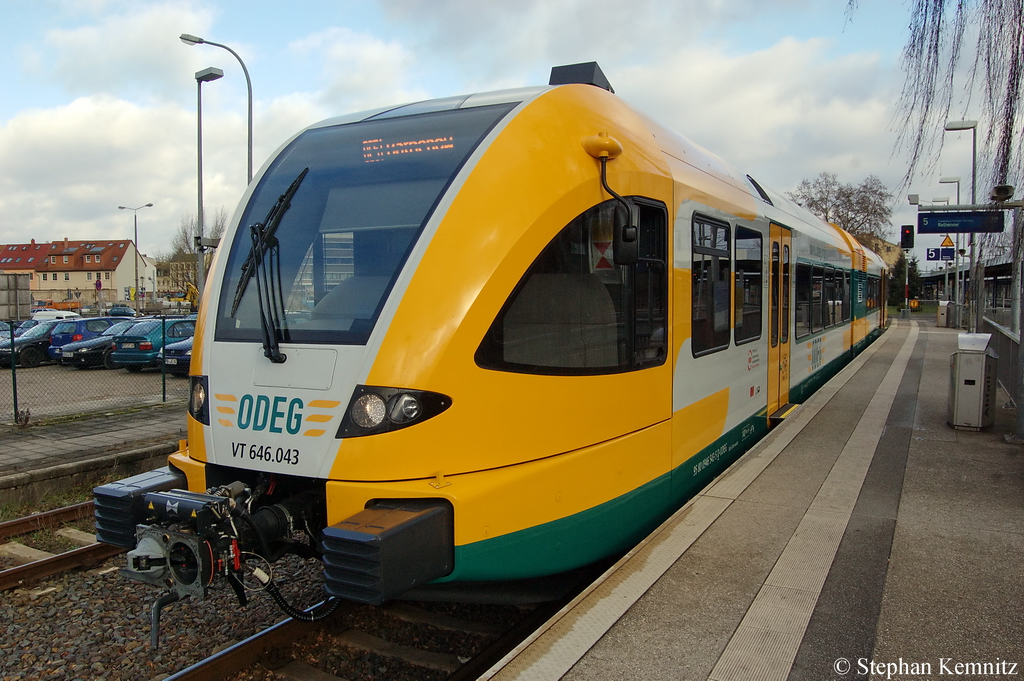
(99, 96)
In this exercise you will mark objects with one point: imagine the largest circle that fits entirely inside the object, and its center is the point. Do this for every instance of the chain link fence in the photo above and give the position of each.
(66, 367)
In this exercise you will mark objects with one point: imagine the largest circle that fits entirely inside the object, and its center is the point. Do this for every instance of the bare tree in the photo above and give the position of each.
(932, 60)
(182, 261)
(183, 241)
(862, 210)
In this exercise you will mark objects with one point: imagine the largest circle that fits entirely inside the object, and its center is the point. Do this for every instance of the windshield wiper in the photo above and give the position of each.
(268, 274)
(267, 229)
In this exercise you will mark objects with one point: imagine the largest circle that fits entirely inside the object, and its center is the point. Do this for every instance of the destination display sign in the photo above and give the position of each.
(960, 222)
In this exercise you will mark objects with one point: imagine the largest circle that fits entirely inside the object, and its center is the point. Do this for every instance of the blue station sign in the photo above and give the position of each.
(960, 222)
(941, 254)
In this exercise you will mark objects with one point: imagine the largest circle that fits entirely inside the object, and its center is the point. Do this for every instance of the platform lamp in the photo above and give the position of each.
(956, 252)
(195, 40)
(959, 126)
(205, 76)
(136, 220)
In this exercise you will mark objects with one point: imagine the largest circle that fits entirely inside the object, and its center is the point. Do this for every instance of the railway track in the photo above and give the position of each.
(36, 564)
(421, 641)
(324, 651)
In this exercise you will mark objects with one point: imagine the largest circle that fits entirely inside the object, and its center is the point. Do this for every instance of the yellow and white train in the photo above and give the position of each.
(485, 338)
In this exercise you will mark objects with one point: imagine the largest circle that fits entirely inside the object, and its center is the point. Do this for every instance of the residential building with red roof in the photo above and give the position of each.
(87, 272)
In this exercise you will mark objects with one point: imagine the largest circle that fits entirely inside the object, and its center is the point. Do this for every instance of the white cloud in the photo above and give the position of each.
(135, 50)
(784, 114)
(359, 71)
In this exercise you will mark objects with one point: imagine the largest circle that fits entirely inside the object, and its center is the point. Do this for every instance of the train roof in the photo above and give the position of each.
(765, 201)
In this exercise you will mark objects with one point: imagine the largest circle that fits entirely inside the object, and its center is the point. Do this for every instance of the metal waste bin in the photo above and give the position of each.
(972, 382)
(943, 314)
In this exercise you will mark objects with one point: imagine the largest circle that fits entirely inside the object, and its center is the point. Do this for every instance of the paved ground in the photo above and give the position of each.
(875, 542)
(41, 457)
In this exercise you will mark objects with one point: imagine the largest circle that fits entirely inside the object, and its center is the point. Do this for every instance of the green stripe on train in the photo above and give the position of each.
(612, 527)
(608, 528)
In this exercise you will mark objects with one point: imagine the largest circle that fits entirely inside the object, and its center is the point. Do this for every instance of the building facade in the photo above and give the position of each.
(80, 273)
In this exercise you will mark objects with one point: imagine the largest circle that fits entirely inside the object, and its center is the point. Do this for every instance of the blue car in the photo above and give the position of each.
(140, 346)
(74, 330)
(178, 357)
(95, 351)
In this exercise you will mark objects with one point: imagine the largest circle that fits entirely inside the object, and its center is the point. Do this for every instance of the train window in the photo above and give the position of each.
(776, 262)
(575, 312)
(846, 296)
(749, 276)
(711, 285)
(831, 299)
(803, 300)
(368, 190)
(817, 298)
(785, 294)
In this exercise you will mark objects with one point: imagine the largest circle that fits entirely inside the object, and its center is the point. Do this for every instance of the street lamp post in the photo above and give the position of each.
(956, 253)
(195, 40)
(135, 211)
(206, 75)
(976, 286)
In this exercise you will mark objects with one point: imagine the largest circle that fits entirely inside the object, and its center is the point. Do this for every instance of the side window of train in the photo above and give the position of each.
(711, 285)
(817, 298)
(575, 312)
(802, 323)
(831, 301)
(749, 277)
(847, 294)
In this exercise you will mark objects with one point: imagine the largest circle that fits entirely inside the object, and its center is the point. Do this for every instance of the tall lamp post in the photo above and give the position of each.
(195, 40)
(136, 220)
(206, 75)
(956, 254)
(976, 286)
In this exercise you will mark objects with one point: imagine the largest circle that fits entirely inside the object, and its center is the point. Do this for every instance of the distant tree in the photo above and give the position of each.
(183, 240)
(898, 281)
(862, 210)
(182, 259)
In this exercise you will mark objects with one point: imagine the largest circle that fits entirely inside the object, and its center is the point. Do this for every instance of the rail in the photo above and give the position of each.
(85, 556)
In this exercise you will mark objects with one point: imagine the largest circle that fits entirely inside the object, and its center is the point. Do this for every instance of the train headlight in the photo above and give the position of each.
(198, 406)
(368, 410)
(379, 410)
(404, 408)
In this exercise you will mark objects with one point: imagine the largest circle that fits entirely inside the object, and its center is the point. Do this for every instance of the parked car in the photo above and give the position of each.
(24, 325)
(138, 347)
(121, 311)
(55, 314)
(72, 330)
(178, 356)
(28, 349)
(95, 351)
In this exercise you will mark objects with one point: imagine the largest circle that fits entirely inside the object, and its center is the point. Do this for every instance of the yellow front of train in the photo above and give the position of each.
(435, 347)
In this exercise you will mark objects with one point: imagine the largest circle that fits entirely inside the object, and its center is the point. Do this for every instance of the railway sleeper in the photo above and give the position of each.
(353, 638)
(20, 554)
(412, 614)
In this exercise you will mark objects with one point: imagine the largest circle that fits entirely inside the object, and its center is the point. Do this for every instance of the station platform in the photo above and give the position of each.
(50, 455)
(864, 538)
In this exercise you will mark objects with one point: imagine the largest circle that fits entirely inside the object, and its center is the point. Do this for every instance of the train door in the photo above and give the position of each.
(780, 254)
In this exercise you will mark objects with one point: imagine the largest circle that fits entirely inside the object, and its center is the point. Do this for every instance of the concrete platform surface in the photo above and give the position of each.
(42, 458)
(863, 538)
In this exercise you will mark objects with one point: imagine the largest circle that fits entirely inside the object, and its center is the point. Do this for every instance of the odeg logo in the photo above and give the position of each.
(261, 413)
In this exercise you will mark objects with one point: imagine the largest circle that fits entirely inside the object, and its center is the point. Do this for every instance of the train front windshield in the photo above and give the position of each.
(355, 216)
